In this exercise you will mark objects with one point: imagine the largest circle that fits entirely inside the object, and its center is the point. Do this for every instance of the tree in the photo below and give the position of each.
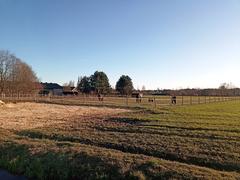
(227, 86)
(15, 75)
(143, 88)
(84, 85)
(69, 84)
(7, 62)
(124, 85)
(25, 79)
(100, 83)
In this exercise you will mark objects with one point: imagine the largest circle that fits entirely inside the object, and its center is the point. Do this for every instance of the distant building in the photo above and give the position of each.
(70, 91)
(51, 89)
(137, 94)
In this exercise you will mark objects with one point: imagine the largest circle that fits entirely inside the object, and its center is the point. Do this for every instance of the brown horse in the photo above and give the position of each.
(174, 99)
(100, 97)
(139, 97)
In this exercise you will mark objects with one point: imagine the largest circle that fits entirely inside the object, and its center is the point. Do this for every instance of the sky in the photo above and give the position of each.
(158, 43)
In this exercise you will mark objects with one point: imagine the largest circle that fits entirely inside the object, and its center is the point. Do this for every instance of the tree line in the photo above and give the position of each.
(99, 83)
(16, 76)
(221, 91)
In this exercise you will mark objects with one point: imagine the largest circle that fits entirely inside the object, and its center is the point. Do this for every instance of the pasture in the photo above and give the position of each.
(148, 101)
(49, 141)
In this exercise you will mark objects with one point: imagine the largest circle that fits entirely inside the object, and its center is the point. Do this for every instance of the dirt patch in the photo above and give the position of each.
(33, 115)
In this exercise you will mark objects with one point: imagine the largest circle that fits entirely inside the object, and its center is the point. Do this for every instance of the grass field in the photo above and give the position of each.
(148, 101)
(46, 141)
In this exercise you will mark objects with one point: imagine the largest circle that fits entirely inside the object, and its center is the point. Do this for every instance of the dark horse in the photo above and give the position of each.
(139, 97)
(100, 97)
(174, 100)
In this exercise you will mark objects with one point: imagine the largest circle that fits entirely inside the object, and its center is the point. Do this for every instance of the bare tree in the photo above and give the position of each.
(26, 78)
(69, 84)
(15, 75)
(6, 60)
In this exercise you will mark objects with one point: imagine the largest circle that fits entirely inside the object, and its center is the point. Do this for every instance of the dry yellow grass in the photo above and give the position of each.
(22, 116)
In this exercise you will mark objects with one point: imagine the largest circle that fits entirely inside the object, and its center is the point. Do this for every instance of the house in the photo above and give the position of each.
(70, 91)
(51, 89)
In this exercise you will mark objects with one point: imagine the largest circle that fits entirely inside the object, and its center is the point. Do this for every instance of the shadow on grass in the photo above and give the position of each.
(164, 132)
(142, 123)
(131, 121)
(17, 159)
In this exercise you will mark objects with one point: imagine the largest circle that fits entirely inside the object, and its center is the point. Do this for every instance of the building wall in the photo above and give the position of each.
(57, 92)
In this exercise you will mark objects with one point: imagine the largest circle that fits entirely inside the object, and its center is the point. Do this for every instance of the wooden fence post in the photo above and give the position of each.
(182, 100)
(190, 100)
(155, 103)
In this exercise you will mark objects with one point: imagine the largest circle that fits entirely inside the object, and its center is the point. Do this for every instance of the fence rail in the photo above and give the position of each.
(148, 101)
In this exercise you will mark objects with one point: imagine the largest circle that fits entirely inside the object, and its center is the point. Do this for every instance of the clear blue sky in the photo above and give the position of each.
(159, 43)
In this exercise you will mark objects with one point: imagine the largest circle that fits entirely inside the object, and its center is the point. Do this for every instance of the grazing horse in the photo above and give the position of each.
(100, 97)
(150, 100)
(139, 97)
(174, 100)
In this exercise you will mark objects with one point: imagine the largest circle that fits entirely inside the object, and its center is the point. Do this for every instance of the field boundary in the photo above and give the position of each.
(148, 101)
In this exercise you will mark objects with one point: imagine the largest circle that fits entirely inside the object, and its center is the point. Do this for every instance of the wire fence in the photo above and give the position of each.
(147, 101)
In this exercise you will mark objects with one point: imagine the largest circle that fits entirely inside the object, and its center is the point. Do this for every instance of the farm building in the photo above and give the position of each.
(70, 91)
(51, 89)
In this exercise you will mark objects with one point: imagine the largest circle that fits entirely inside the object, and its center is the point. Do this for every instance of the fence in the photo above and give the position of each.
(148, 101)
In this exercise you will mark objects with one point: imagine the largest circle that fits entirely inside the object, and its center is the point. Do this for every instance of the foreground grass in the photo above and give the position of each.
(188, 142)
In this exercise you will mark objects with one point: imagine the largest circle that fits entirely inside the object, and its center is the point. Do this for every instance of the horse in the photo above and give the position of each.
(100, 97)
(139, 97)
(150, 100)
(174, 99)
